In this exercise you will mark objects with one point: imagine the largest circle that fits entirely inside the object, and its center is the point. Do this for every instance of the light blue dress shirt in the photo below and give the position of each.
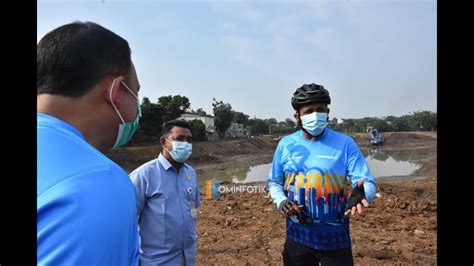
(85, 202)
(164, 200)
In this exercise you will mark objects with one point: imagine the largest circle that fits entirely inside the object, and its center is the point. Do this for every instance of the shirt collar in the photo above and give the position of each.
(165, 163)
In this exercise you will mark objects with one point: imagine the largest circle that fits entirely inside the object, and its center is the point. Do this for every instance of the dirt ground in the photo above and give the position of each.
(206, 156)
(244, 228)
(399, 228)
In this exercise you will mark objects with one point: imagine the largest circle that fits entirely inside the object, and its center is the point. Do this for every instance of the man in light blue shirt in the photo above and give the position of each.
(167, 199)
(87, 94)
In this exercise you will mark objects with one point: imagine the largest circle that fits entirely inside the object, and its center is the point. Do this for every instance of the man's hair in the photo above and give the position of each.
(174, 123)
(73, 58)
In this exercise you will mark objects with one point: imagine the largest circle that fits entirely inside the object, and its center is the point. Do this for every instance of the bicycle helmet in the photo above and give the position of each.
(309, 93)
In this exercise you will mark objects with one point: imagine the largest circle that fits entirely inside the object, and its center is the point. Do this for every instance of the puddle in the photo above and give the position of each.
(383, 163)
(256, 173)
(386, 163)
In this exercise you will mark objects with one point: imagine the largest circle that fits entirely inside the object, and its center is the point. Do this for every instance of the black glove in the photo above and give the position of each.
(356, 197)
(301, 218)
(285, 205)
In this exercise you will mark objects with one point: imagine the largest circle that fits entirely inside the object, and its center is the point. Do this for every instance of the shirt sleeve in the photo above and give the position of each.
(359, 169)
(276, 178)
(140, 183)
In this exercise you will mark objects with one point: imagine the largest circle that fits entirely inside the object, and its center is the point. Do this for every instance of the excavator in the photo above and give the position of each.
(376, 137)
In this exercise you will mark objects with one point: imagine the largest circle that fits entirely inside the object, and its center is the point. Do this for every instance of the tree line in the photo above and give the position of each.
(416, 121)
(166, 108)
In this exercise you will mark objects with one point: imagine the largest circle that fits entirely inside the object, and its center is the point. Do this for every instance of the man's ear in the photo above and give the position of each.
(297, 116)
(162, 142)
(112, 90)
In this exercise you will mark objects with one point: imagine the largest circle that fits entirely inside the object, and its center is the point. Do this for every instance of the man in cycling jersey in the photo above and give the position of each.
(307, 182)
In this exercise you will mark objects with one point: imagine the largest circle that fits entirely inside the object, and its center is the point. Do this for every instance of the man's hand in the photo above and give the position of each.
(288, 208)
(357, 197)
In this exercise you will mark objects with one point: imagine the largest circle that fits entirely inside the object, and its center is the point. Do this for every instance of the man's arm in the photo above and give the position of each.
(139, 182)
(359, 173)
(276, 178)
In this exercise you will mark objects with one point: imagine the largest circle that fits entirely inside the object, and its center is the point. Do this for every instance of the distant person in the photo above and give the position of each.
(307, 182)
(167, 196)
(87, 103)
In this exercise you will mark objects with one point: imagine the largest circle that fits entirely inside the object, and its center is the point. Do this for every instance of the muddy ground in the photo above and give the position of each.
(242, 228)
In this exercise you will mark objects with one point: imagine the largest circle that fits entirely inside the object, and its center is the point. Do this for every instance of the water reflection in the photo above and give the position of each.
(379, 153)
(382, 163)
(240, 174)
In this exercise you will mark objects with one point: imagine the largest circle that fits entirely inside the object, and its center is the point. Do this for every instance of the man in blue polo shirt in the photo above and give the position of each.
(87, 103)
(167, 201)
(308, 184)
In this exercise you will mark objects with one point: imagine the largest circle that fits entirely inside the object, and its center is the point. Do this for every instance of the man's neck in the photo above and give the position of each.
(170, 159)
(77, 112)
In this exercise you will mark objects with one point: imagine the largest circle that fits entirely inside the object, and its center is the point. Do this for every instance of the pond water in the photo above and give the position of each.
(382, 163)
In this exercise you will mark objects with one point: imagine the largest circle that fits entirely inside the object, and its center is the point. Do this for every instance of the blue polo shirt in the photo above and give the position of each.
(315, 173)
(86, 211)
(164, 201)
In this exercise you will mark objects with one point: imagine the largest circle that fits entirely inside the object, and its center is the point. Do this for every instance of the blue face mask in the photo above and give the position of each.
(181, 150)
(126, 130)
(314, 123)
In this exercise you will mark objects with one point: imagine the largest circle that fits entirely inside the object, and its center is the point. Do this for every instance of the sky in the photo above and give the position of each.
(376, 58)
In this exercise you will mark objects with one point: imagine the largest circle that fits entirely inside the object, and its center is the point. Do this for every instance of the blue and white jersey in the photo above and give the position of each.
(315, 173)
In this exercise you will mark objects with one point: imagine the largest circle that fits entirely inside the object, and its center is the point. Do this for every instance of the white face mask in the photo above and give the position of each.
(314, 123)
(181, 150)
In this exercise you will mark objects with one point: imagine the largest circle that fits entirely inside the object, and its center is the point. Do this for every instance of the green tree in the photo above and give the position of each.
(258, 126)
(154, 115)
(173, 106)
(271, 121)
(291, 124)
(380, 125)
(347, 125)
(433, 122)
(401, 123)
(390, 118)
(283, 127)
(149, 128)
(198, 130)
(222, 116)
(423, 121)
(272, 125)
(199, 111)
(240, 118)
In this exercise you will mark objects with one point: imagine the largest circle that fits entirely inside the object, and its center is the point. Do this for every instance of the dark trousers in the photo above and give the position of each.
(298, 254)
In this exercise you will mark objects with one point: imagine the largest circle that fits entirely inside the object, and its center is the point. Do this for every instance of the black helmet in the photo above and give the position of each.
(309, 93)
